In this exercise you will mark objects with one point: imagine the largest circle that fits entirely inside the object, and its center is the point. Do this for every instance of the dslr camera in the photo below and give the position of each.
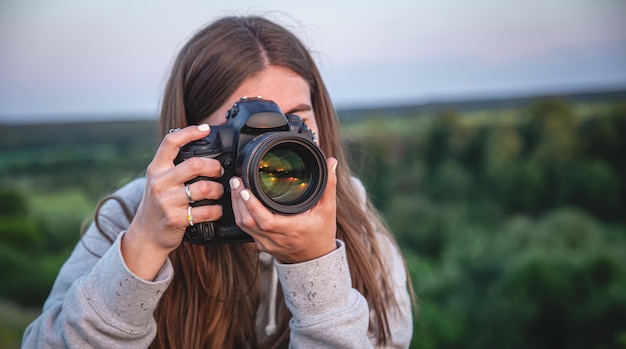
(275, 155)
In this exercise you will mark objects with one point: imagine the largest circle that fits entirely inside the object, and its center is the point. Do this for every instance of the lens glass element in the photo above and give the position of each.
(283, 175)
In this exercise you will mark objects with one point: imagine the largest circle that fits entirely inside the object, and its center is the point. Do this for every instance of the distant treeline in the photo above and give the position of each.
(546, 156)
(39, 135)
(409, 109)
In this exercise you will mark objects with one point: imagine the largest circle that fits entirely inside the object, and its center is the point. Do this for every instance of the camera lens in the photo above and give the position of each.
(285, 171)
(283, 175)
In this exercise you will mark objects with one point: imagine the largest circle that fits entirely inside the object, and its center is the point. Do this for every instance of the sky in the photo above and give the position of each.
(76, 59)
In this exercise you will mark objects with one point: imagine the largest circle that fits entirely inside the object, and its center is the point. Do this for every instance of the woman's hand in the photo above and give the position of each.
(161, 219)
(293, 238)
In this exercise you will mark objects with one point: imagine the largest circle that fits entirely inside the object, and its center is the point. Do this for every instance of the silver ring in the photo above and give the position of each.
(189, 216)
(188, 192)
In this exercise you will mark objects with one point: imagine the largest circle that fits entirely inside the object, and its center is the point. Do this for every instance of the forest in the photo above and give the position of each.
(512, 217)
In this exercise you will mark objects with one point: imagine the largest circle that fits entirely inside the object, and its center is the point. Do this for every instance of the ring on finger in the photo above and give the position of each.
(188, 193)
(189, 216)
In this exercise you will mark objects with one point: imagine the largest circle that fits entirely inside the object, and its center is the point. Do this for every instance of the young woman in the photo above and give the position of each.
(329, 277)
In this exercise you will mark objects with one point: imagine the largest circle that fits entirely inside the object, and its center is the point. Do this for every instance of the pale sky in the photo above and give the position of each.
(72, 58)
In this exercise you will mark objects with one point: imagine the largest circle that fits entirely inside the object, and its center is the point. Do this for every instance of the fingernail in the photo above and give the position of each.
(245, 195)
(234, 183)
(203, 127)
(335, 166)
(222, 172)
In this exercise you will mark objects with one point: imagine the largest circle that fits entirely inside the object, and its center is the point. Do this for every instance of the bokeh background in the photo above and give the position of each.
(488, 133)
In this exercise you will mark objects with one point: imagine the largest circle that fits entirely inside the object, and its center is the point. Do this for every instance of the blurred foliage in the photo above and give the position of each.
(514, 227)
(512, 221)
(51, 178)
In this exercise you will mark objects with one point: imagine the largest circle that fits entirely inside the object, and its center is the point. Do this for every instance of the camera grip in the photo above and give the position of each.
(220, 231)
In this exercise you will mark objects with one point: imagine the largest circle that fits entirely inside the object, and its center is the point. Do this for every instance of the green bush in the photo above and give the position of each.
(514, 228)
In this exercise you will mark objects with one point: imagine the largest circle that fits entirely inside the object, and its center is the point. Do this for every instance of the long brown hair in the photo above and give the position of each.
(212, 301)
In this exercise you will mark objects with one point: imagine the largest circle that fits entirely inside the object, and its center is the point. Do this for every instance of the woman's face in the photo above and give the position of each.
(279, 84)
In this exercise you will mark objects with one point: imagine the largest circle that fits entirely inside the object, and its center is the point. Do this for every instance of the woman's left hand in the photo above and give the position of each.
(289, 238)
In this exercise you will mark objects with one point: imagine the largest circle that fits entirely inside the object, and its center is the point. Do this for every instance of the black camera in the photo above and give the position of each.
(275, 155)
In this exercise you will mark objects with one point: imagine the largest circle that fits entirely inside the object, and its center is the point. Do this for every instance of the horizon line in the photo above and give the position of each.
(404, 103)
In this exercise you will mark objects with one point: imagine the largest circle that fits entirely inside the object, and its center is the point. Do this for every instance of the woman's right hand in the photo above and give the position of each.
(161, 219)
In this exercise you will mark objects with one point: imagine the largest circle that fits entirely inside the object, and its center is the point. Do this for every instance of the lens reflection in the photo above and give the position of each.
(283, 175)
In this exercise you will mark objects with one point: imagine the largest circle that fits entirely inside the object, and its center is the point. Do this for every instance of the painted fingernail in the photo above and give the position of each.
(203, 127)
(335, 166)
(234, 183)
(245, 195)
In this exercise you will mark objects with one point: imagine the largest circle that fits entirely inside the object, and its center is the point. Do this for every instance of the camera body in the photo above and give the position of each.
(275, 155)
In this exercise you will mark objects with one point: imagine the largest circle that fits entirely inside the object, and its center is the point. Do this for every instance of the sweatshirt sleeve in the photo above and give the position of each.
(97, 302)
(326, 311)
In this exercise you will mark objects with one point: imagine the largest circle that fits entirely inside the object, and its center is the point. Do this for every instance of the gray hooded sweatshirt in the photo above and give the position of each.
(97, 302)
